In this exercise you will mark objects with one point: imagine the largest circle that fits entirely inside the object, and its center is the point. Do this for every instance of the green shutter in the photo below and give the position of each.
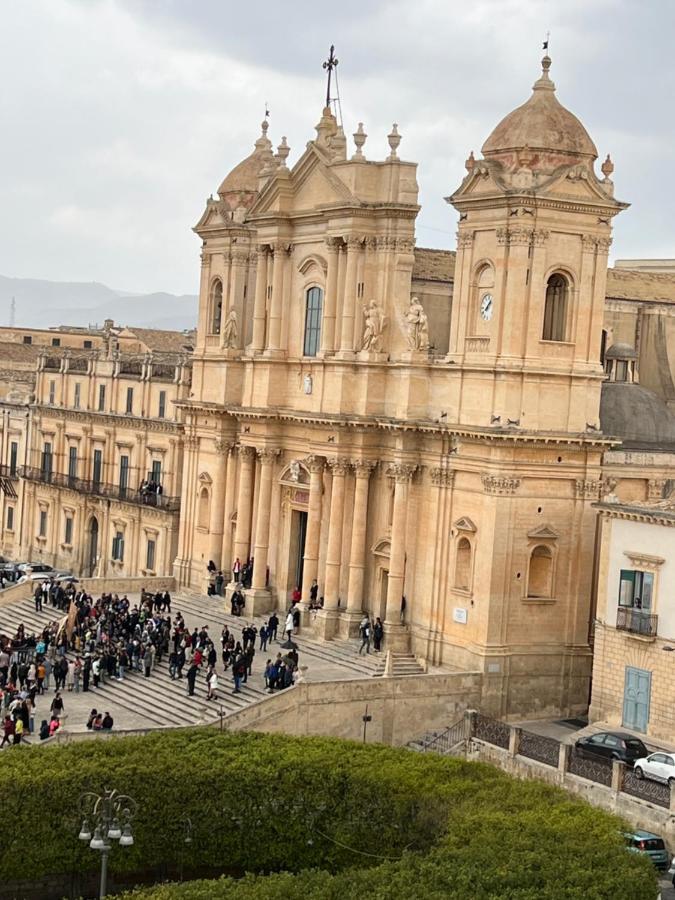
(626, 587)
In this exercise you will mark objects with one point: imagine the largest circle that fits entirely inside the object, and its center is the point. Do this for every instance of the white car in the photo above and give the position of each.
(657, 766)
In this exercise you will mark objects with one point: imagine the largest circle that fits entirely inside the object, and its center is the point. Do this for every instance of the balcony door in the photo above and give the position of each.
(92, 547)
(97, 468)
(124, 475)
(636, 698)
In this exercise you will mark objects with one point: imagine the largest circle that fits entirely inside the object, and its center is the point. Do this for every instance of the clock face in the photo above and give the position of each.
(486, 306)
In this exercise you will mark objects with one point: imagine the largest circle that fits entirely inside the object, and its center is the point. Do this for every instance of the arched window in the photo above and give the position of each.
(203, 511)
(555, 308)
(540, 576)
(313, 310)
(216, 306)
(463, 565)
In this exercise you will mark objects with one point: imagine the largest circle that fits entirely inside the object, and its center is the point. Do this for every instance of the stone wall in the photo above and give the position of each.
(98, 586)
(401, 707)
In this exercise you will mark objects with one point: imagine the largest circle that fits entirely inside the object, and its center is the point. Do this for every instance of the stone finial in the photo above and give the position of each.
(470, 162)
(359, 139)
(607, 167)
(394, 139)
(282, 152)
(338, 144)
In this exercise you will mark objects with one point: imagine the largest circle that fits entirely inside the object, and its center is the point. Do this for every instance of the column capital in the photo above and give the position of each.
(339, 466)
(262, 249)
(442, 477)
(281, 247)
(246, 452)
(354, 241)
(363, 467)
(267, 455)
(401, 472)
(315, 464)
(332, 243)
(223, 447)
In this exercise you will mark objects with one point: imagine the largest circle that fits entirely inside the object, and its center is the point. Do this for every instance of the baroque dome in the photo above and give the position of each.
(541, 128)
(242, 182)
(635, 414)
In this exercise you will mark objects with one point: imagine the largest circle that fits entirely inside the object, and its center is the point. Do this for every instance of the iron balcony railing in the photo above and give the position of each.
(637, 622)
(9, 471)
(100, 489)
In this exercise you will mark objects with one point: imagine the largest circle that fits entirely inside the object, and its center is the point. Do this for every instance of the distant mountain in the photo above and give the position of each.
(41, 304)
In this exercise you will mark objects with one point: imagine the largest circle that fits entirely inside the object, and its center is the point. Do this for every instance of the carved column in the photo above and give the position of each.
(276, 304)
(357, 552)
(238, 266)
(217, 504)
(328, 324)
(349, 297)
(401, 474)
(260, 301)
(313, 536)
(242, 534)
(339, 469)
(227, 268)
(267, 455)
(226, 553)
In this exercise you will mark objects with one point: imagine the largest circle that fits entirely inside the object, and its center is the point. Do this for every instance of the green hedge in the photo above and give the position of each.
(350, 820)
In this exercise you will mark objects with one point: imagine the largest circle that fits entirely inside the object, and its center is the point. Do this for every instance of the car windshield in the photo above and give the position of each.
(651, 844)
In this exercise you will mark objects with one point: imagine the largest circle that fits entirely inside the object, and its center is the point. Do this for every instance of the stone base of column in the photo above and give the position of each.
(181, 572)
(326, 623)
(347, 355)
(374, 356)
(274, 354)
(258, 602)
(231, 352)
(415, 356)
(396, 638)
(348, 626)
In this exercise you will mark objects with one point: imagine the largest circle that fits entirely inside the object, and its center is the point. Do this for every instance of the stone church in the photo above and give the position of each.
(418, 432)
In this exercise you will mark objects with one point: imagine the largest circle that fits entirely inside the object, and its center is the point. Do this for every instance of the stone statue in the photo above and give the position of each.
(417, 326)
(294, 471)
(374, 323)
(231, 330)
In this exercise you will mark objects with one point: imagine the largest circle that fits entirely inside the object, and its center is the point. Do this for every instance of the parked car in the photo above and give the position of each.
(657, 766)
(650, 845)
(611, 745)
(35, 567)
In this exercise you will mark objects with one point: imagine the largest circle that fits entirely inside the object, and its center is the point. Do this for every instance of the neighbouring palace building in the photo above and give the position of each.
(424, 433)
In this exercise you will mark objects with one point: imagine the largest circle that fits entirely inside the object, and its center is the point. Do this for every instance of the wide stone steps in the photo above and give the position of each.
(340, 651)
(401, 664)
(162, 701)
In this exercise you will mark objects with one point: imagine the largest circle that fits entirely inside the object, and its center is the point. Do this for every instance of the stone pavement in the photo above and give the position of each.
(159, 702)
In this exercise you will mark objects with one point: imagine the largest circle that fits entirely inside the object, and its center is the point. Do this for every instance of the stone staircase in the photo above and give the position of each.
(164, 703)
(340, 651)
(450, 741)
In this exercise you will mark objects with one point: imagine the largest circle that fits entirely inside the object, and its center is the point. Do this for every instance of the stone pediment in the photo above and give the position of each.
(309, 185)
(205, 478)
(543, 533)
(465, 524)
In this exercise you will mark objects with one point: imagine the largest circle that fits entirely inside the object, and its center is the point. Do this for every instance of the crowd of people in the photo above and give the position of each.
(96, 641)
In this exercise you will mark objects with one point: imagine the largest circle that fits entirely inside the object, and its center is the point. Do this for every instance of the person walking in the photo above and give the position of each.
(192, 678)
(288, 628)
(212, 681)
(365, 635)
(263, 636)
(378, 634)
(272, 626)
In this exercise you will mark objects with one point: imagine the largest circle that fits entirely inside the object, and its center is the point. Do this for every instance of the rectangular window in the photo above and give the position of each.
(46, 461)
(313, 309)
(27, 339)
(97, 467)
(118, 546)
(150, 555)
(161, 412)
(43, 523)
(156, 471)
(101, 398)
(13, 457)
(76, 397)
(87, 345)
(68, 533)
(56, 342)
(10, 518)
(124, 475)
(130, 400)
(52, 393)
(72, 463)
(636, 589)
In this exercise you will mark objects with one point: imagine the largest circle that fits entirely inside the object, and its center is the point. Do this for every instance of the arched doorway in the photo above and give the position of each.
(92, 547)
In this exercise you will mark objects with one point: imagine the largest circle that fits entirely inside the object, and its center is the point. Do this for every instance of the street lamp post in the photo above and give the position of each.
(109, 815)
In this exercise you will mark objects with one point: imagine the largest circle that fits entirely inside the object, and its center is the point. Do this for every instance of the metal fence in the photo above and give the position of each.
(537, 746)
(652, 791)
(447, 740)
(491, 730)
(597, 770)
(637, 622)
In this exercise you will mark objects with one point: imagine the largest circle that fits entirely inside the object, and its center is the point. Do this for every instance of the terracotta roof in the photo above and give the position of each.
(21, 353)
(167, 341)
(627, 284)
(434, 265)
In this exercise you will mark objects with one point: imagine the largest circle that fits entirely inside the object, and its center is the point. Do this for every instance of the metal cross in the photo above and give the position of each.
(330, 64)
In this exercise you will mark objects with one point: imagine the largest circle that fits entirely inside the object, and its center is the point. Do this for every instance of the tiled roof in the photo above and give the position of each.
(167, 341)
(434, 265)
(20, 353)
(627, 284)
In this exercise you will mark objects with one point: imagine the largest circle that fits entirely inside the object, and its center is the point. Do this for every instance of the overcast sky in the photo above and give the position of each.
(119, 117)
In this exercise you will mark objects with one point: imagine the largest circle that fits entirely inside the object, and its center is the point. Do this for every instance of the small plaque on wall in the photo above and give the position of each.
(459, 614)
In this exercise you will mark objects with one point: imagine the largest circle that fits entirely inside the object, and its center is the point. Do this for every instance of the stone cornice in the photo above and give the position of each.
(637, 513)
(102, 419)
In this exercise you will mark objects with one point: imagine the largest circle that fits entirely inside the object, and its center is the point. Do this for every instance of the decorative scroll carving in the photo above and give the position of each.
(499, 484)
(267, 455)
(246, 452)
(587, 489)
(401, 472)
(315, 464)
(363, 467)
(339, 466)
(223, 446)
(655, 488)
(464, 240)
(442, 477)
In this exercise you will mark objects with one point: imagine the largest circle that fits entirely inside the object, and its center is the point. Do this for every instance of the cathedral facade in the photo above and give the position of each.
(430, 460)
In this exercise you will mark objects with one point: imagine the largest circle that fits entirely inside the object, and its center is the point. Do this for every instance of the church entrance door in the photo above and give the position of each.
(297, 548)
(92, 546)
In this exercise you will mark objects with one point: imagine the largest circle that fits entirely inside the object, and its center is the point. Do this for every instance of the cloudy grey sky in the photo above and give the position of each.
(119, 117)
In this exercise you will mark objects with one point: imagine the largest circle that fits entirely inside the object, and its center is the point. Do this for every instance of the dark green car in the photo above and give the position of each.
(650, 845)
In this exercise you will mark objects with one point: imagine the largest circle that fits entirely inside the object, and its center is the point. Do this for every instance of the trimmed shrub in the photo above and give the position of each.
(350, 820)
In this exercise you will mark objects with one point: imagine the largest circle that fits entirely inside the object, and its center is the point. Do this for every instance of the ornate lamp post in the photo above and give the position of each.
(106, 818)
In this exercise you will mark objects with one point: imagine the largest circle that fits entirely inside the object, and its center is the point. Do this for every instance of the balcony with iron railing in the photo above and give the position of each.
(9, 471)
(637, 621)
(97, 488)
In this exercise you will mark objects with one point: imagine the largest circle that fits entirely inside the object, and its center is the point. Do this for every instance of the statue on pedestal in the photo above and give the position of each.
(231, 330)
(417, 326)
(374, 325)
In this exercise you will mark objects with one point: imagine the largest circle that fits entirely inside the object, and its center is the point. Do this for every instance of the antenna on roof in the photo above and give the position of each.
(12, 313)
